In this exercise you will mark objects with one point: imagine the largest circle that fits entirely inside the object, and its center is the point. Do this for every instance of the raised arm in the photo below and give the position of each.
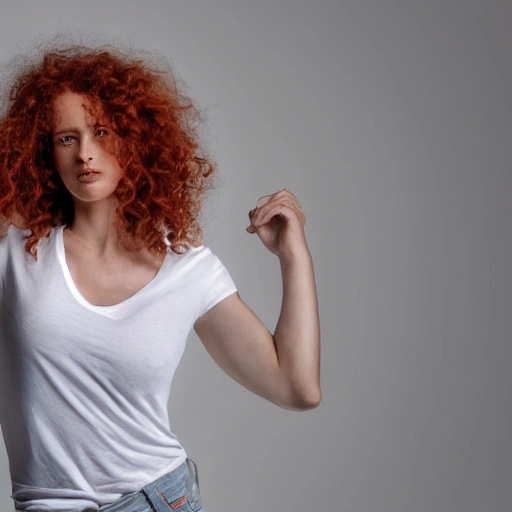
(285, 367)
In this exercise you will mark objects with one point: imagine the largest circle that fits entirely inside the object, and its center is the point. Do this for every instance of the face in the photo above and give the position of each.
(81, 153)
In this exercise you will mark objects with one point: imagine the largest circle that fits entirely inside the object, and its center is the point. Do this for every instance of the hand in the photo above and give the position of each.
(279, 222)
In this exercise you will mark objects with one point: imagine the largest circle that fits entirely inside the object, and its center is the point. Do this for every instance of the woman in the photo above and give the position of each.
(104, 273)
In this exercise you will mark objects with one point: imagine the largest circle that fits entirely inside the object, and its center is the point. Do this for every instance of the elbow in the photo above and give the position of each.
(309, 402)
(305, 400)
(304, 406)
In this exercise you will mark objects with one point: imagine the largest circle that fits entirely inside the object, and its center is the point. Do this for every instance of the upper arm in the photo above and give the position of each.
(242, 346)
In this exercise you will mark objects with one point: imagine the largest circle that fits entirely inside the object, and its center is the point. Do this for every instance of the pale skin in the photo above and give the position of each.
(283, 368)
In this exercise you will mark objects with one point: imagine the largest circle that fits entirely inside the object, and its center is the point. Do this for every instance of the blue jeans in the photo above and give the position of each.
(177, 491)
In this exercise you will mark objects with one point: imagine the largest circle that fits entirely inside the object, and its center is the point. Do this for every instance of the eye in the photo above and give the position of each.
(101, 132)
(67, 140)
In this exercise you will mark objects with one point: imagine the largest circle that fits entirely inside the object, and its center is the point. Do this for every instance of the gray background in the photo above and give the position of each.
(391, 121)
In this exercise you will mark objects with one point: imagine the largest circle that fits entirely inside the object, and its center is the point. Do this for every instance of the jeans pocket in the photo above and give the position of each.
(185, 497)
(188, 501)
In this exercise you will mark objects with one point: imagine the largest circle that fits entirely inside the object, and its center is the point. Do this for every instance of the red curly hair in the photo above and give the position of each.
(156, 144)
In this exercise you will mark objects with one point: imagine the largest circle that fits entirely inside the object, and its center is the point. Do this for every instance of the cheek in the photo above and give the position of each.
(59, 159)
(62, 165)
(114, 164)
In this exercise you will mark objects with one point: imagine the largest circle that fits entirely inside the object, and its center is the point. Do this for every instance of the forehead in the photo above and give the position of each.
(70, 107)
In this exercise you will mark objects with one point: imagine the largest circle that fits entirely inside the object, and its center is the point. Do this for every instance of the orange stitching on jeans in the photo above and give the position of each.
(176, 503)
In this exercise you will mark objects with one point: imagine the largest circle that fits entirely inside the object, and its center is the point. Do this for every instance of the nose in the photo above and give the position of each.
(85, 152)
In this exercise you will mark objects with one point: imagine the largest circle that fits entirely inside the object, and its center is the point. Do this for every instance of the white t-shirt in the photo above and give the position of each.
(84, 388)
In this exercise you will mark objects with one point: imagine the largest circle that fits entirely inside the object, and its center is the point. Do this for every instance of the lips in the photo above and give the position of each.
(88, 170)
(88, 175)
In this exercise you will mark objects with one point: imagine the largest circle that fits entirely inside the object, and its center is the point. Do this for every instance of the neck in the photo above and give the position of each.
(94, 225)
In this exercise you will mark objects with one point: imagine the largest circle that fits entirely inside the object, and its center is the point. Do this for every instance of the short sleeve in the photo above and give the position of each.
(3, 264)
(3, 255)
(11, 242)
(4, 250)
(217, 286)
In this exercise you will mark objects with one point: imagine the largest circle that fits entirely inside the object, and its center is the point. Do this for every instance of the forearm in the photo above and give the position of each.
(297, 333)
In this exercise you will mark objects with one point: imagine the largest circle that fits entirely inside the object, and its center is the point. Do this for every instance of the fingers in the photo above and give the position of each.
(282, 203)
(280, 194)
(250, 228)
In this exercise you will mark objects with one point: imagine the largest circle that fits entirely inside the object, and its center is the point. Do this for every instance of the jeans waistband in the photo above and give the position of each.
(174, 478)
(169, 492)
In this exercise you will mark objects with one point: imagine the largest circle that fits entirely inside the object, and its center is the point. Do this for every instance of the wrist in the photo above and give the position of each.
(296, 255)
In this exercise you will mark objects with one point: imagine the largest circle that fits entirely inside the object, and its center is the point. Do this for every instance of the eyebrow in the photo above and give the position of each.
(66, 130)
(72, 129)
